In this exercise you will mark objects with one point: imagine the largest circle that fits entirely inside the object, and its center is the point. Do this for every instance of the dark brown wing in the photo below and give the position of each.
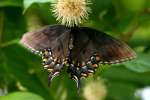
(88, 41)
(55, 37)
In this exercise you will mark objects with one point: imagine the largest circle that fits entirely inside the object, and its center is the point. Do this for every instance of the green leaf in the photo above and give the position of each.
(21, 96)
(28, 3)
(25, 69)
(12, 24)
(122, 74)
(127, 92)
(15, 3)
(140, 64)
(134, 5)
(122, 83)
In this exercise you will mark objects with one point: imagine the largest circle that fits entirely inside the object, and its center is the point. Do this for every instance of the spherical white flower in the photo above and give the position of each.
(71, 12)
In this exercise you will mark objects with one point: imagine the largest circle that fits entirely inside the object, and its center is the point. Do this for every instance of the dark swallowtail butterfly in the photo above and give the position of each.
(80, 48)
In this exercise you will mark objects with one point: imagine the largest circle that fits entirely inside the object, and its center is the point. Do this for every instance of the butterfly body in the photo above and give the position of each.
(81, 48)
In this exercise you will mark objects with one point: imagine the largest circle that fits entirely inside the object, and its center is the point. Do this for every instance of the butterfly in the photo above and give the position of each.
(81, 49)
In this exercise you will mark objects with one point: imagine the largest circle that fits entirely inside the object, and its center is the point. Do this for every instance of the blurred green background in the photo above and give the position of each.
(22, 76)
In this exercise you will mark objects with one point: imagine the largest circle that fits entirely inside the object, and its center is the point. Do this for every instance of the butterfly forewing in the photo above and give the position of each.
(55, 37)
(109, 50)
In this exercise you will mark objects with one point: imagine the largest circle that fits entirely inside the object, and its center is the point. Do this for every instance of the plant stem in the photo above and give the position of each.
(3, 45)
(1, 25)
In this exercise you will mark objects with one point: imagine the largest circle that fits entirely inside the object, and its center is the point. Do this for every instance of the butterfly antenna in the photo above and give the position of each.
(52, 76)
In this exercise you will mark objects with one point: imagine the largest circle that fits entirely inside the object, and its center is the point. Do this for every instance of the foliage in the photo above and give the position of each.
(21, 71)
(21, 96)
